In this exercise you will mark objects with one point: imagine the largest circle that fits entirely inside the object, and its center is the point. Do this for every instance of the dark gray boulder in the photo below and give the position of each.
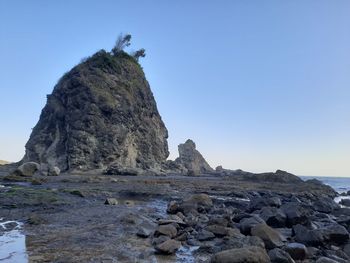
(271, 237)
(240, 255)
(278, 255)
(273, 216)
(297, 251)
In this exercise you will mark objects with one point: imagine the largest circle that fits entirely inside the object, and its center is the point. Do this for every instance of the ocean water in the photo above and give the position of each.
(339, 184)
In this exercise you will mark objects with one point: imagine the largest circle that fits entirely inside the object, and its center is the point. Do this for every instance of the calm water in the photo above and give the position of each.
(340, 184)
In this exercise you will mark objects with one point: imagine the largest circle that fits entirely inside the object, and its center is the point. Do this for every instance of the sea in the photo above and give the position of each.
(339, 184)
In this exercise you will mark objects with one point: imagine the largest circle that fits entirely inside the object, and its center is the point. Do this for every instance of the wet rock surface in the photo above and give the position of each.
(174, 219)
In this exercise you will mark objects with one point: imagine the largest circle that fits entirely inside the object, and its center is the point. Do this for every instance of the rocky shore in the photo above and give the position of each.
(95, 185)
(93, 217)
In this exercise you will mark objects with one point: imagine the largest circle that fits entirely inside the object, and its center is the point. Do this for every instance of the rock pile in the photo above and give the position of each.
(272, 228)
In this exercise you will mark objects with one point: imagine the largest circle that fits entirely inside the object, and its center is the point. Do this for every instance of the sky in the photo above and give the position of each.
(258, 85)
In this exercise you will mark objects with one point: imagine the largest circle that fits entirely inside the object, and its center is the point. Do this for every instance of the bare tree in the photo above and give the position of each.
(122, 42)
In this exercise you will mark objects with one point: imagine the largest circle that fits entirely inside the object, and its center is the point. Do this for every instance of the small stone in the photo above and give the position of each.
(173, 207)
(111, 201)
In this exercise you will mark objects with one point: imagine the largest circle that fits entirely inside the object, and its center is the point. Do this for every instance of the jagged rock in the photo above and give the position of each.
(102, 112)
(192, 160)
(240, 255)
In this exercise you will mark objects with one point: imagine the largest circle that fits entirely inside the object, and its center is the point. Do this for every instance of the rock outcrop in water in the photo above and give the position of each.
(101, 112)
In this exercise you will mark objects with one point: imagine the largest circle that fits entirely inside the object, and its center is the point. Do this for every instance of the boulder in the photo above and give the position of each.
(246, 224)
(325, 205)
(166, 230)
(273, 216)
(204, 235)
(271, 237)
(260, 202)
(145, 229)
(311, 237)
(221, 231)
(173, 207)
(192, 160)
(117, 169)
(345, 202)
(53, 171)
(168, 247)
(295, 212)
(193, 203)
(335, 233)
(200, 199)
(241, 255)
(297, 251)
(278, 255)
(27, 169)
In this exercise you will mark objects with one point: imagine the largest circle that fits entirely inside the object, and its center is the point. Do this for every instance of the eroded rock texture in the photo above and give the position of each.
(192, 160)
(101, 112)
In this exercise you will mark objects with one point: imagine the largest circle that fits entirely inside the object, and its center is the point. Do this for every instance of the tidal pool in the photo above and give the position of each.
(12, 242)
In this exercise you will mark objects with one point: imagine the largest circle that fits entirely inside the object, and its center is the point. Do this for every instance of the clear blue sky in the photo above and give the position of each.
(258, 85)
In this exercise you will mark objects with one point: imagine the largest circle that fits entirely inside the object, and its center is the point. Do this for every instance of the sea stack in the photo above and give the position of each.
(192, 160)
(100, 113)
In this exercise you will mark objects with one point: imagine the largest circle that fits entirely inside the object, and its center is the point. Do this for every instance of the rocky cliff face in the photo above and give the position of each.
(191, 159)
(101, 112)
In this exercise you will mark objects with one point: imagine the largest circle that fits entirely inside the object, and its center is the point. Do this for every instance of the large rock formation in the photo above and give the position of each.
(101, 112)
(191, 159)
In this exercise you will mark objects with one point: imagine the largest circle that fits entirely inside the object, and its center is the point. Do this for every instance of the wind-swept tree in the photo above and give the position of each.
(122, 42)
(139, 53)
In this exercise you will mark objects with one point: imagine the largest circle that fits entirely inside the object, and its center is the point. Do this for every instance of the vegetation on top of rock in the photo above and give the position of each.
(124, 41)
(102, 112)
